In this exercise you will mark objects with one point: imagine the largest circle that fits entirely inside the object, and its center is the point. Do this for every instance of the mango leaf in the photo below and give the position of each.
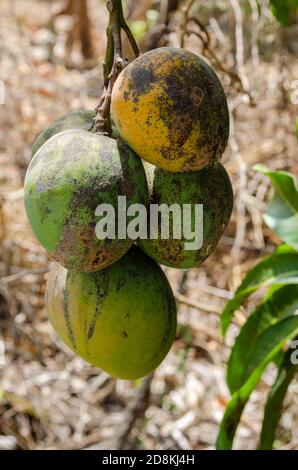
(280, 249)
(284, 248)
(273, 408)
(279, 268)
(282, 212)
(272, 340)
(242, 362)
(284, 11)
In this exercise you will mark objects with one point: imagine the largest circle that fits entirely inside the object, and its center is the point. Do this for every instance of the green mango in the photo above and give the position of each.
(121, 319)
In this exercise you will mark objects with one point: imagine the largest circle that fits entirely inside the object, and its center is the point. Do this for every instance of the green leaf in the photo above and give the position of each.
(273, 408)
(284, 11)
(280, 249)
(274, 269)
(245, 356)
(276, 336)
(282, 212)
(284, 248)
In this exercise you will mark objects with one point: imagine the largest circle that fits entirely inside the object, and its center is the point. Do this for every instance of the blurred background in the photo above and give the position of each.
(50, 63)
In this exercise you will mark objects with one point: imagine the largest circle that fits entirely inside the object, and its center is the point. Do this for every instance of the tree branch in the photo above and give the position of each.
(114, 63)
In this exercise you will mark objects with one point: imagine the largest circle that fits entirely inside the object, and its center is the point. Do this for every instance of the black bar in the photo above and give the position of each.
(137, 459)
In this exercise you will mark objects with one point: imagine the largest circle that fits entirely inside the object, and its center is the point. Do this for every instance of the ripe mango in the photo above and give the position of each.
(171, 109)
(121, 319)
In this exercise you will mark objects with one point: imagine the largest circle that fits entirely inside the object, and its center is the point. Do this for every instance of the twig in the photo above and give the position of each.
(166, 8)
(114, 62)
(240, 206)
(255, 33)
(162, 29)
(185, 11)
(138, 10)
(136, 411)
(198, 305)
(85, 30)
(12, 196)
(216, 61)
(200, 25)
(17, 276)
(217, 31)
(9, 431)
(257, 222)
(212, 290)
(229, 241)
(239, 44)
(182, 285)
(203, 35)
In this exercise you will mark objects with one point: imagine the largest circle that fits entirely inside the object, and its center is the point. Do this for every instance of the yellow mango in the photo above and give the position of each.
(171, 109)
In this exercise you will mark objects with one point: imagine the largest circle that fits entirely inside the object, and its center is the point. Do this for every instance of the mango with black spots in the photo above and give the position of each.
(171, 109)
(78, 119)
(72, 174)
(121, 319)
(211, 188)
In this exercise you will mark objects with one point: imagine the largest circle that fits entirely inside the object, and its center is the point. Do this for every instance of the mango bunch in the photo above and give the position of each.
(107, 298)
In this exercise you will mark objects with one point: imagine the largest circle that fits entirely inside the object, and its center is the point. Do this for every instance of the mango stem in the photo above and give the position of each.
(113, 64)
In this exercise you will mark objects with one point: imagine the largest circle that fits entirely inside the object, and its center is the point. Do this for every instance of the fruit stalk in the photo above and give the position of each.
(114, 62)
